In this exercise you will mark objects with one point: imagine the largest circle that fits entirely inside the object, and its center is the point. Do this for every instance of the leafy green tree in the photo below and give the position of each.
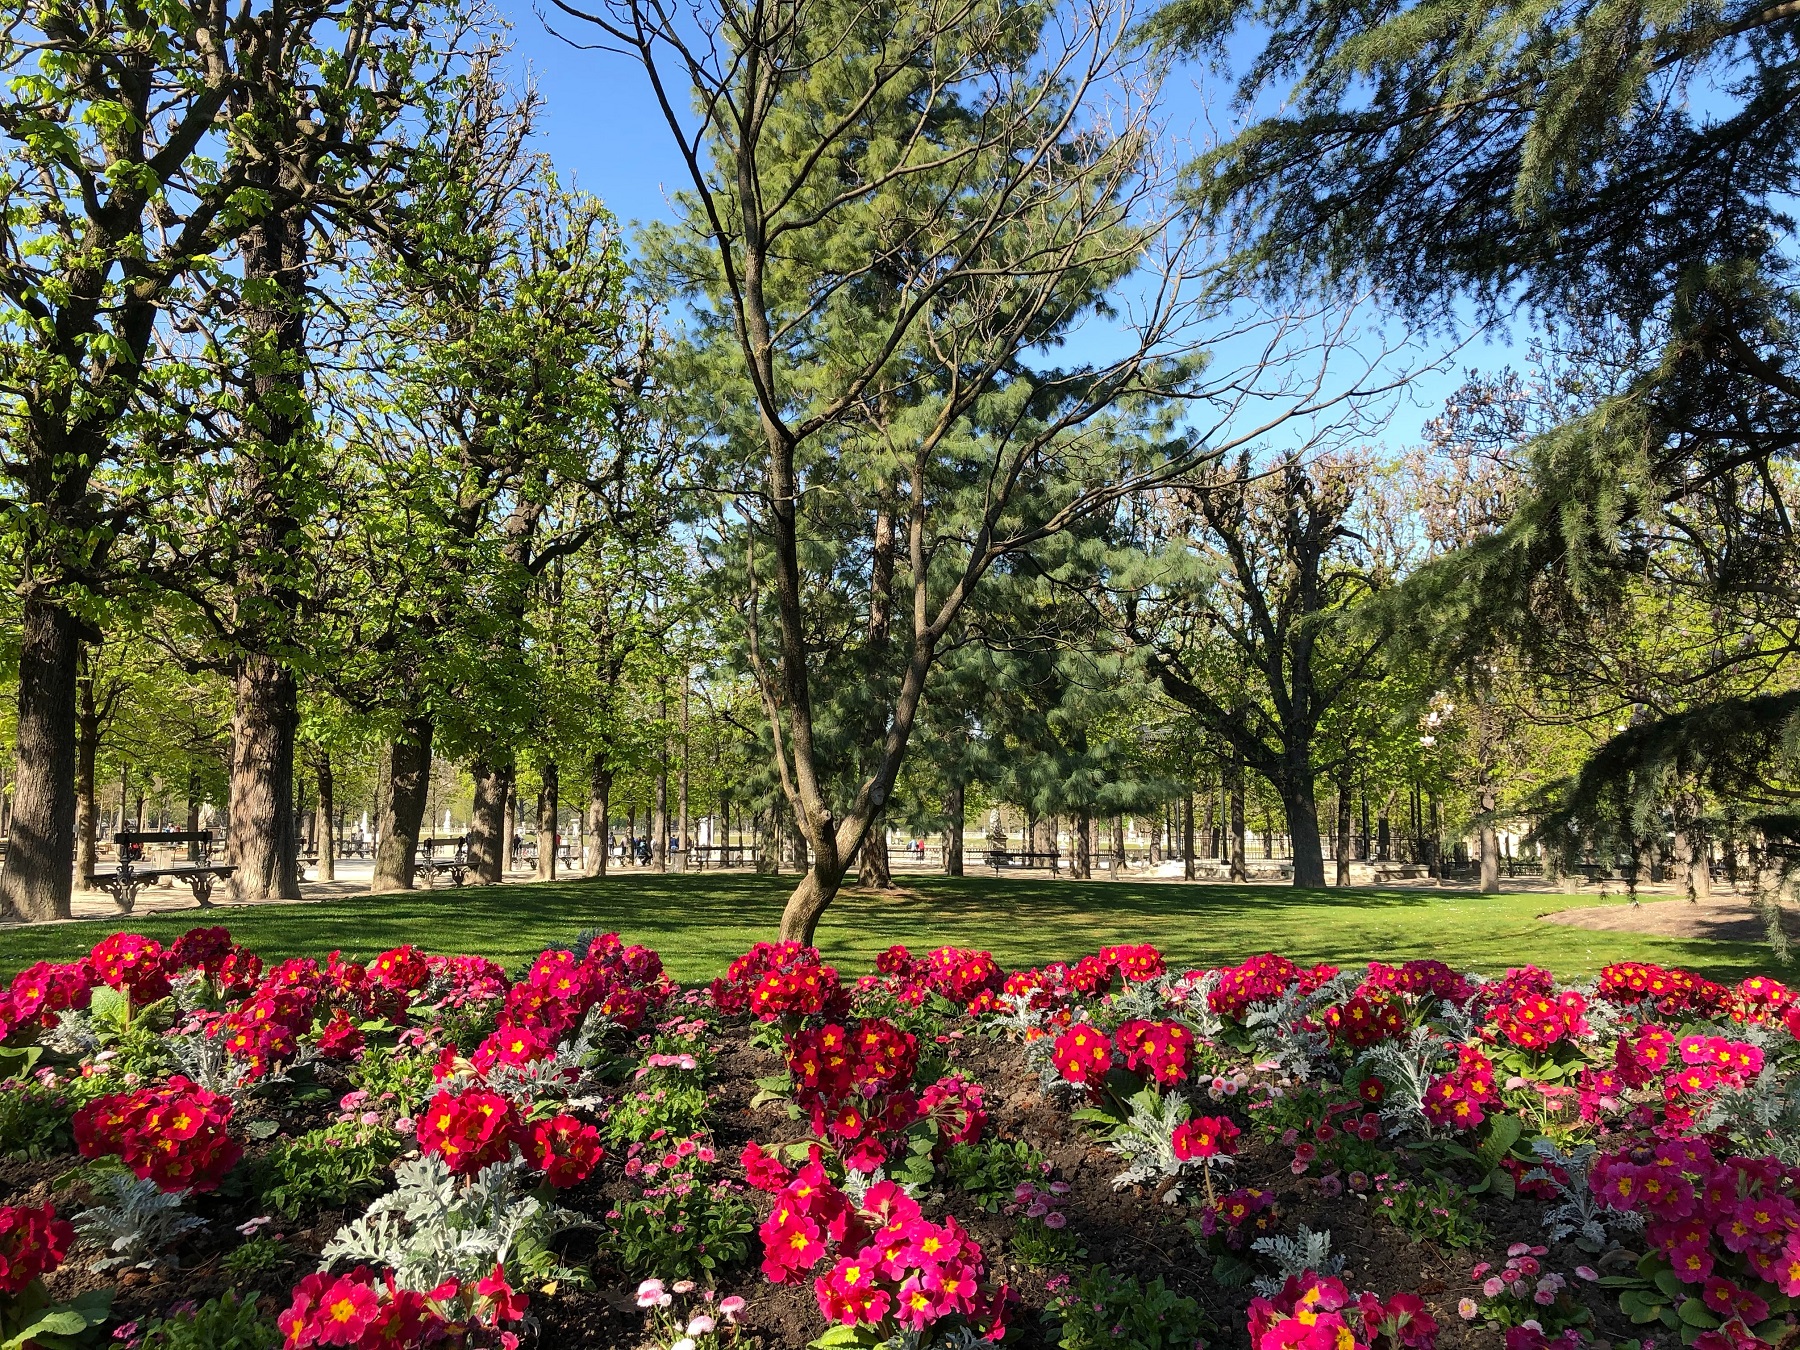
(1240, 613)
(891, 212)
(1624, 175)
(114, 197)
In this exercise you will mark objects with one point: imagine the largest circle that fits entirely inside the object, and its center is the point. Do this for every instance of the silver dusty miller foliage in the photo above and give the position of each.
(1287, 1031)
(431, 1227)
(1407, 1067)
(1581, 1214)
(135, 1222)
(1304, 1251)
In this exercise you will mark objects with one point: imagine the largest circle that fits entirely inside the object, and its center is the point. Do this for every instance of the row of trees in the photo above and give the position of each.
(327, 399)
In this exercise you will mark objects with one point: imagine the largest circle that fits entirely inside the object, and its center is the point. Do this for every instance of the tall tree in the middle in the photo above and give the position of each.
(893, 208)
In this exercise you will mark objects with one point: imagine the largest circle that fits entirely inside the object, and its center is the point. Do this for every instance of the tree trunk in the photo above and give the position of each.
(261, 842)
(1235, 787)
(1081, 866)
(600, 778)
(87, 747)
(1118, 845)
(814, 894)
(1690, 850)
(509, 814)
(1303, 830)
(487, 821)
(408, 776)
(1487, 802)
(681, 787)
(1343, 849)
(953, 832)
(659, 842)
(37, 880)
(1188, 860)
(327, 823)
(872, 859)
(546, 824)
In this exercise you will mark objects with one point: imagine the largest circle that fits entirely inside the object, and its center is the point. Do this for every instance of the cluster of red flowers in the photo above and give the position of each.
(476, 1128)
(1426, 979)
(1671, 992)
(970, 978)
(33, 1242)
(466, 980)
(136, 964)
(468, 1130)
(1538, 1021)
(1160, 1051)
(178, 1135)
(234, 969)
(956, 1104)
(1239, 1217)
(775, 979)
(909, 1271)
(564, 1149)
(892, 1263)
(1364, 1019)
(626, 983)
(1262, 979)
(405, 968)
(855, 1082)
(1204, 1138)
(1456, 1098)
(365, 1311)
(42, 990)
(1317, 1312)
(1083, 1054)
(1728, 1227)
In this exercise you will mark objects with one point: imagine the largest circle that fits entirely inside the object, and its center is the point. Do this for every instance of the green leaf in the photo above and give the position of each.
(17, 1062)
(1697, 1314)
(261, 1129)
(1503, 1132)
(1669, 1283)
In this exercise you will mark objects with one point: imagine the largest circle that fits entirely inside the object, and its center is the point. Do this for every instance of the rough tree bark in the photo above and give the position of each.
(600, 780)
(1302, 810)
(1081, 866)
(1487, 801)
(487, 821)
(38, 878)
(546, 824)
(1187, 837)
(659, 826)
(326, 828)
(1118, 845)
(953, 831)
(408, 779)
(1343, 825)
(88, 716)
(681, 786)
(261, 843)
(1235, 788)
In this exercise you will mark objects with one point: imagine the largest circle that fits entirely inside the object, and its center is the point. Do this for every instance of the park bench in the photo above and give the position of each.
(199, 871)
(999, 858)
(453, 864)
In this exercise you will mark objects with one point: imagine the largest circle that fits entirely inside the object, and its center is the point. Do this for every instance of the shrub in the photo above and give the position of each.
(1435, 1211)
(683, 1223)
(223, 1323)
(1104, 1311)
(990, 1172)
(343, 1164)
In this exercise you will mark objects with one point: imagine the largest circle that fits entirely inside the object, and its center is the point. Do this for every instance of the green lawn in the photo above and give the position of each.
(699, 923)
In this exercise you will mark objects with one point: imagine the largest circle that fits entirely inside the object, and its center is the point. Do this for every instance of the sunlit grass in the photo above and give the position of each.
(700, 922)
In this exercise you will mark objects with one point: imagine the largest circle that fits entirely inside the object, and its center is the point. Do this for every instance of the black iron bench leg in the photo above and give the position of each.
(123, 891)
(202, 886)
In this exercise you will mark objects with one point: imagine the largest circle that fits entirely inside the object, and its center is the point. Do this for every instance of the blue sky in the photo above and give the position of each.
(602, 130)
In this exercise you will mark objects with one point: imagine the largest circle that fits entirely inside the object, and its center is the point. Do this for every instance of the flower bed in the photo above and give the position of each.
(205, 1150)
